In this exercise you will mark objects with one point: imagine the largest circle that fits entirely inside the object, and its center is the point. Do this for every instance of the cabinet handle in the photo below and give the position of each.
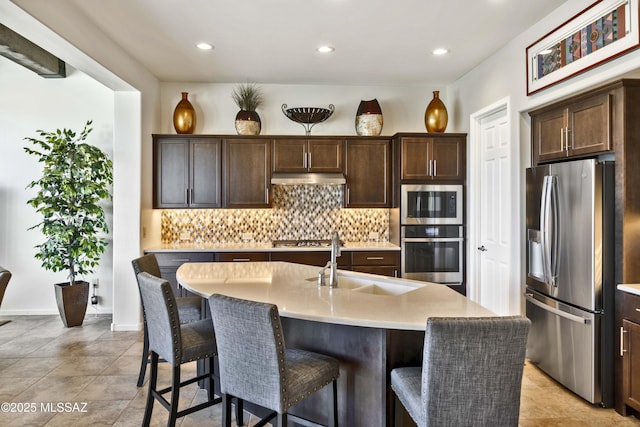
(187, 196)
(637, 309)
(191, 198)
(348, 196)
(566, 145)
(435, 167)
(622, 332)
(304, 159)
(395, 273)
(181, 259)
(375, 258)
(428, 167)
(241, 260)
(310, 160)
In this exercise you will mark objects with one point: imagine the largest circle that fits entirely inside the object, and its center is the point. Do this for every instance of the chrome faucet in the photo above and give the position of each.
(332, 265)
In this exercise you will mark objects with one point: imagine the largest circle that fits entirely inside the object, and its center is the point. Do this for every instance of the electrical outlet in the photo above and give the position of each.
(247, 237)
(373, 236)
(185, 235)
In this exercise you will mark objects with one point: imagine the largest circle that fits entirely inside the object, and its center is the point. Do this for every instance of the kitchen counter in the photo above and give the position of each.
(630, 288)
(359, 300)
(266, 247)
(371, 324)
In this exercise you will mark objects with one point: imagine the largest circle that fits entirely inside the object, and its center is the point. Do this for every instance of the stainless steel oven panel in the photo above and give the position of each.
(449, 277)
(404, 203)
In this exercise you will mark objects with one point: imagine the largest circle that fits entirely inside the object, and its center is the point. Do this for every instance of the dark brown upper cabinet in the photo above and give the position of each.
(297, 155)
(247, 172)
(432, 157)
(578, 128)
(186, 172)
(368, 173)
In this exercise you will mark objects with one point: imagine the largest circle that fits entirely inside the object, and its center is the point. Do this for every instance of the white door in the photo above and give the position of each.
(493, 214)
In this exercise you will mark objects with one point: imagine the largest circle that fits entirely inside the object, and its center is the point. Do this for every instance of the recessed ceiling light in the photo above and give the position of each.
(440, 51)
(325, 49)
(204, 46)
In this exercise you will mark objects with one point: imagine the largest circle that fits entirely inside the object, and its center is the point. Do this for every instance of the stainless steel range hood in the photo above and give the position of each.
(308, 178)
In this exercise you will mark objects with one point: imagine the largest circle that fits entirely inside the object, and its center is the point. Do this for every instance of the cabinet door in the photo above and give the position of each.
(205, 187)
(368, 167)
(549, 135)
(247, 173)
(631, 364)
(171, 173)
(415, 158)
(325, 155)
(590, 125)
(290, 155)
(448, 159)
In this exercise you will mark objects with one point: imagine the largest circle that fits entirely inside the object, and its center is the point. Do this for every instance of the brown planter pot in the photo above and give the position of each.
(72, 302)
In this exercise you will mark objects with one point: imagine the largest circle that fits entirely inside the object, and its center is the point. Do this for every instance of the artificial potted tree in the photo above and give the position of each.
(76, 177)
(248, 98)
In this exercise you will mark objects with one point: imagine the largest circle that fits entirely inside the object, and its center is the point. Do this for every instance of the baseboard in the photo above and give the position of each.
(121, 327)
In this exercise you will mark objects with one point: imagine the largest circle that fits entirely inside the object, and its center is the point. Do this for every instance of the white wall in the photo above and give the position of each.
(503, 75)
(135, 117)
(60, 103)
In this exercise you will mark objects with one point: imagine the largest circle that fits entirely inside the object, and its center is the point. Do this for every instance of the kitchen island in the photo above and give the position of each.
(370, 323)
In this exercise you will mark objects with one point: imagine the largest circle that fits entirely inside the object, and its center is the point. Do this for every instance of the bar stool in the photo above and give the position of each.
(255, 365)
(471, 373)
(178, 344)
(190, 308)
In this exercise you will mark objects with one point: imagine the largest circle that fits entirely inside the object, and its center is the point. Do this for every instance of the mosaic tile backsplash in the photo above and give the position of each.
(298, 212)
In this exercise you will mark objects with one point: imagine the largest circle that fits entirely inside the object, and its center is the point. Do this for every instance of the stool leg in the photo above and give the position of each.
(145, 356)
(175, 396)
(333, 405)
(152, 388)
(281, 420)
(226, 410)
(239, 412)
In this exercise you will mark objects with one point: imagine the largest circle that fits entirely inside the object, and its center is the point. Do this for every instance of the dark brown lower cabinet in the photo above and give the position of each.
(384, 263)
(631, 364)
(170, 261)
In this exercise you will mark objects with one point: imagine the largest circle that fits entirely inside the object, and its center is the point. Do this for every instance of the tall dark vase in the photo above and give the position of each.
(72, 302)
(435, 116)
(184, 115)
(369, 118)
(248, 123)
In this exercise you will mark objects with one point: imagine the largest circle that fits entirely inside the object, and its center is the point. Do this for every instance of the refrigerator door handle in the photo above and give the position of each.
(554, 230)
(555, 311)
(544, 232)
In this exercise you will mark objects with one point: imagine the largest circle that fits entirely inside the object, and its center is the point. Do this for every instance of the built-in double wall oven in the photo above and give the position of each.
(432, 241)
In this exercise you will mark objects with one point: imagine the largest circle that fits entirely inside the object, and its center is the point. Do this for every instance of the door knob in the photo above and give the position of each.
(482, 249)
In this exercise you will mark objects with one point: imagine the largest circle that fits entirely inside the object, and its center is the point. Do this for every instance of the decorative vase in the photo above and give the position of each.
(248, 123)
(72, 302)
(184, 116)
(369, 118)
(435, 116)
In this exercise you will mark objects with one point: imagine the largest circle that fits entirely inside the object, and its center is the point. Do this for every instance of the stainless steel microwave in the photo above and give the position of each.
(432, 204)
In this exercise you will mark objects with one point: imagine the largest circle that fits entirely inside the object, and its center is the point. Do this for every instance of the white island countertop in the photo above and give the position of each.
(632, 288)
(359, 300)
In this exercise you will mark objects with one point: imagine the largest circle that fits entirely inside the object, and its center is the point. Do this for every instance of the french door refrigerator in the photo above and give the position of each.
(570, 275)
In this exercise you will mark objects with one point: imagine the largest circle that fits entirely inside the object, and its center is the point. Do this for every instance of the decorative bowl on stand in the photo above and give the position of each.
(308, 117)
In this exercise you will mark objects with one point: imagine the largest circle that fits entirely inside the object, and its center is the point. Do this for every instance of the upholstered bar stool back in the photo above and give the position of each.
(5, 275)
(189, 307)
(177, 343)
(256, 366)
(471, 373)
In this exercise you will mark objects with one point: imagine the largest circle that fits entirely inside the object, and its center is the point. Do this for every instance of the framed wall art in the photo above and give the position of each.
(599, 33)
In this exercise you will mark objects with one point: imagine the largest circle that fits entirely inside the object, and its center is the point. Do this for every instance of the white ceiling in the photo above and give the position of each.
(376, 42)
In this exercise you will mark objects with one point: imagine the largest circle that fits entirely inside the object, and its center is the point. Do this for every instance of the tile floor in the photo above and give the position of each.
(94, 371)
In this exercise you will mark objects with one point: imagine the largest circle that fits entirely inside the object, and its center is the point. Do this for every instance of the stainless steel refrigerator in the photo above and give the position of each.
(570, 275)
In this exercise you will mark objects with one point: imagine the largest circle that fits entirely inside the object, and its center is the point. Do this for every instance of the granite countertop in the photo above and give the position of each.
(360, 299)
(633, 288)
(266, 247)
